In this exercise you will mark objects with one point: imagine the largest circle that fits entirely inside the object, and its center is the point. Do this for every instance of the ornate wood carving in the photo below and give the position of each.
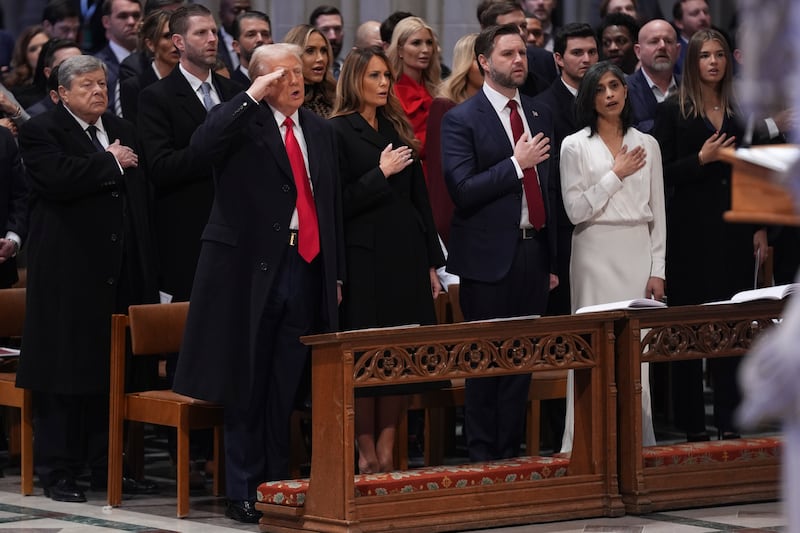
(707, 339)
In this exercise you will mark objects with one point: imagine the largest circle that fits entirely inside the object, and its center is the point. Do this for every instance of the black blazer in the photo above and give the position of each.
(129, 90)
(390, 237)
(483, 183)
(240, 79)
(541, 71)
(106, 55)
(88, 225)
(13, 201)
(245, 240)
(169, 113)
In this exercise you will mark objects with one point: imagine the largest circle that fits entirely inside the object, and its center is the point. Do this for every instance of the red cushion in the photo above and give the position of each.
(293, 492)
(715, 451)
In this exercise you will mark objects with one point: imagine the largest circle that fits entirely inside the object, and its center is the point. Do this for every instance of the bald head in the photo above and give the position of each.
(368, 34)
(658, 47)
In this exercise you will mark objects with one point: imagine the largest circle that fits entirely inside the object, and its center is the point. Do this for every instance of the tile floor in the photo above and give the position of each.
(155, 514)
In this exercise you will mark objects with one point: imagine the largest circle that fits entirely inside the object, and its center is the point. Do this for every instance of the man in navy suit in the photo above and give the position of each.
(575, 50)
(657, 50)
(251, 29)
(256, 291)
(121, 21)
(502, 241)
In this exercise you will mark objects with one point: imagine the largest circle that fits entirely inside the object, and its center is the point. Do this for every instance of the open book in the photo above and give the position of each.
(636, 303)
(8, 352)
(778, 292)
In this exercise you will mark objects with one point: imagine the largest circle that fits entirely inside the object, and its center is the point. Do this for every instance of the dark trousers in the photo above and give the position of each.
(495, 406)
(71, 432)
(257, 435)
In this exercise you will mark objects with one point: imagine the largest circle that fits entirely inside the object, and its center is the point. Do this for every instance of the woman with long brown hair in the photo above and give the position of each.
(391, 247)
(707, 258)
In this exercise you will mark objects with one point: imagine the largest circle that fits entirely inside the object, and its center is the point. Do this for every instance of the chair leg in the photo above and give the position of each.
(183, 470)
(534, 431)
(115, 452)
(26, 445)
(219, 461)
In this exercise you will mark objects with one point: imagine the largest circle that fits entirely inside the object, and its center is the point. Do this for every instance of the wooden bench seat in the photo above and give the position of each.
(661, 478)
(292, 492)
(334, 499)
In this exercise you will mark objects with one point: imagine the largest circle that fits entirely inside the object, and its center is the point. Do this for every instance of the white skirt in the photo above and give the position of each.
(609, 263)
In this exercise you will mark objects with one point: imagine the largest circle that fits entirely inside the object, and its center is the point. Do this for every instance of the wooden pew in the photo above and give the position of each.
(693, 474)
(336, 500)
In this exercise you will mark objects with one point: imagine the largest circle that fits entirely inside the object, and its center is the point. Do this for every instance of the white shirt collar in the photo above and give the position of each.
(83, 124)
(660, 96)
(119, 51)
(193, 80)
(572, 90)
(499, 101)
(280, 117)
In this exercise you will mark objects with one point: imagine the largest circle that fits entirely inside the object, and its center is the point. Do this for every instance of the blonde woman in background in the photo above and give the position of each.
(317, 75)
(415, 59)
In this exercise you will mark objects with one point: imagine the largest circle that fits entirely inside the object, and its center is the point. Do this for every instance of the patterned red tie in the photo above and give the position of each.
(530, 179)
(308, 232)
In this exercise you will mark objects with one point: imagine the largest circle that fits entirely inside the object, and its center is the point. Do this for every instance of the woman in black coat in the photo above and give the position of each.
(391, 246)
(708, 259)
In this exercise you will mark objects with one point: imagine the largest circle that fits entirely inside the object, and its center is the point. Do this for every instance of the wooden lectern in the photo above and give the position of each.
(756, 196)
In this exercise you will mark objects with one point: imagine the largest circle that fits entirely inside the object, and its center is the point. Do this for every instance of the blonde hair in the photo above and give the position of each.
(454, 88)
(431, 76)
(299, 35)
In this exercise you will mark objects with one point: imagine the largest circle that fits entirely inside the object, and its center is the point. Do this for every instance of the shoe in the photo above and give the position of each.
(728, 435)
(129, 486)
(65, 490)
(243, 511)
(697, 437)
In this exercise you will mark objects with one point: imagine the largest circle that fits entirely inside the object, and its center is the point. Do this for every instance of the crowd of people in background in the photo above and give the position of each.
(287, 186)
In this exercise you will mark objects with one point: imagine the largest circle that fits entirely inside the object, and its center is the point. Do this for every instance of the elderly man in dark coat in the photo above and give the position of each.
(271, 257)
(89, 255)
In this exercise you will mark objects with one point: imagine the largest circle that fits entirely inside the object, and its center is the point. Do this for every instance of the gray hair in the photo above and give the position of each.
(77, 66)
(270, 52)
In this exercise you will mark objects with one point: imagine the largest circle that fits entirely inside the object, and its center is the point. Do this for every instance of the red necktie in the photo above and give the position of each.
(530, 179)
(308, 232)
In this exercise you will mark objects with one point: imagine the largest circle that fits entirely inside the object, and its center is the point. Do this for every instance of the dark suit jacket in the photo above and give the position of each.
(106, 55)
(169, 113)
(245, 241)
(13, 201)
(391, 241)
(129, 90)
(643, 102)
(88, 229)
(561, 104)
(483, 183)
(239, 77)
(541, 71)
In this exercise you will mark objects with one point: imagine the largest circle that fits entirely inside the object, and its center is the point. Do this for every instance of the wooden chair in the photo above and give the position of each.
(12, 317)
(156, 329)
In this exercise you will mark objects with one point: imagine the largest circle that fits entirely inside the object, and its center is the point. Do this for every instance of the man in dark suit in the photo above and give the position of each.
(575, 50)
(170, 110)
(13, 207)
(268, 270)
(251, 29)
(89, 256)
(228, 11)
(495, 157)
(541, 66)
(657, 51)
(121, 22)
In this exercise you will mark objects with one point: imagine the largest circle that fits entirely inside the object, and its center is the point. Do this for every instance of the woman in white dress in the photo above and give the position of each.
(613, 190)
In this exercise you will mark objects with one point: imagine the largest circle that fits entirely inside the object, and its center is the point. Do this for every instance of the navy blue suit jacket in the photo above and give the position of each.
(106, 55)
(483, 183)
(643, 102)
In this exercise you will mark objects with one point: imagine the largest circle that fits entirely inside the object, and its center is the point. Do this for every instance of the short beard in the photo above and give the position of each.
(503, 80)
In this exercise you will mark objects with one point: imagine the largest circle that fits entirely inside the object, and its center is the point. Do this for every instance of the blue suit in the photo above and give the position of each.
(502, 274)
(643, 101)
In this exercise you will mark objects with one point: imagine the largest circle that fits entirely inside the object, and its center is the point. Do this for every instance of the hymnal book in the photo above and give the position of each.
(636, 303)
(778, 292)
(8, 352)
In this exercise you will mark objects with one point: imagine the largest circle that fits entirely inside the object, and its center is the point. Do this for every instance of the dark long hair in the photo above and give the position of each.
(350, 90)
(585, 111)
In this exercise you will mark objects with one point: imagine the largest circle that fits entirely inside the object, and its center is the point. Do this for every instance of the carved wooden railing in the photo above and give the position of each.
(676, 334)
(344, 361)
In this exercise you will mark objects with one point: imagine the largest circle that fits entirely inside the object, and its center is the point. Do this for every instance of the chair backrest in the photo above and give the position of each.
(157, 328)
(12, 312)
